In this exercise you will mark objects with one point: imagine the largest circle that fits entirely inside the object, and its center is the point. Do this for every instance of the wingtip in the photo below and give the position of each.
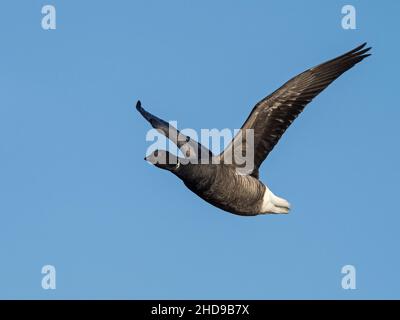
(138, 105)
(363, 49)
(364, 53)
(358, 53)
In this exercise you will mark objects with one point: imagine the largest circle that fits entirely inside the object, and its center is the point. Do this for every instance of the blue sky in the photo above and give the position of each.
(77, 194)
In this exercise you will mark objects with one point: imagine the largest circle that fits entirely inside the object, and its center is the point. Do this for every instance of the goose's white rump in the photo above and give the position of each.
(273, 204)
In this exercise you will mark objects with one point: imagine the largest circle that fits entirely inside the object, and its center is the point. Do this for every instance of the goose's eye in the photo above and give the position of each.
(187, 139)
(156, 153)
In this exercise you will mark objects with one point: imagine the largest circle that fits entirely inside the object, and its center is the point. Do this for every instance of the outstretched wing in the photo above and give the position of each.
(273, 115)
(190, 148)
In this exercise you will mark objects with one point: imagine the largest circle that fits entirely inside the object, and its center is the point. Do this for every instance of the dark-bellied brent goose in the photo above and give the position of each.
(231, 185)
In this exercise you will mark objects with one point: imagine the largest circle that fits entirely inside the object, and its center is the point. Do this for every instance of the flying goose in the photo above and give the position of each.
(225, 184)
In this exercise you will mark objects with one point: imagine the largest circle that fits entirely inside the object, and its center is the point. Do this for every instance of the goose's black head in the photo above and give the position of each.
(164, 160)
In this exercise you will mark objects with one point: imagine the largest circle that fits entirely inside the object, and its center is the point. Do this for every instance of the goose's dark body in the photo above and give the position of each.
(229, 185)
(221, 186)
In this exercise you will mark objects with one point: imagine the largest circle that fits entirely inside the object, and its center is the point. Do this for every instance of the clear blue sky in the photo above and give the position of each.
(76, 193)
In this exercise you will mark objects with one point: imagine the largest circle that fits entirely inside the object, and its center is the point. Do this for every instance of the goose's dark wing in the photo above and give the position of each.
(190, 148)
(273, 115)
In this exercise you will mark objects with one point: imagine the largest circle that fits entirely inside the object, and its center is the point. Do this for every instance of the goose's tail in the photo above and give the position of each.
(274, 204)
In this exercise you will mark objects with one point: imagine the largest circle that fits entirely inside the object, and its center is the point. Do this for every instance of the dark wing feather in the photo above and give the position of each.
(273, 115)
(190, 148)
